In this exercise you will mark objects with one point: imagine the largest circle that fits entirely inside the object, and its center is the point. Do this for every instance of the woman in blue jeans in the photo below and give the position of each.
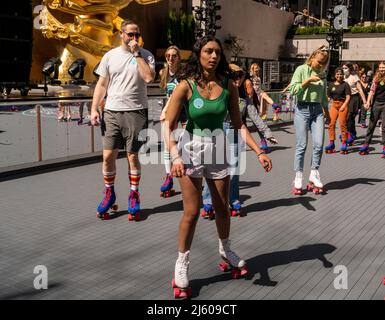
(309, 85)
(234, 148)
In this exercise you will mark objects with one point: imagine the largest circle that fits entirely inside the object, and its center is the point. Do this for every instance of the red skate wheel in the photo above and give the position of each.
(130, 217)
(161, 194)
(204, 214)
(244, 271)
(137, 216)
(115, 207)
(172, 192)
(224, 266)
(233, 213)
(235, 273)
(211, 216)
(177, 293)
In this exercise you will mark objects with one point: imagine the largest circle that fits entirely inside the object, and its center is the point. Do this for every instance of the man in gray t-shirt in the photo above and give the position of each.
(123, 75)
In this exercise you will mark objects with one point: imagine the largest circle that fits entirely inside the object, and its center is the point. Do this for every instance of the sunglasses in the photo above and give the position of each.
(132, 34)
(171, 56)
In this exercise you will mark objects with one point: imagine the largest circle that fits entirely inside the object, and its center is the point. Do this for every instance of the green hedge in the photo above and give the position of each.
(180, 31)
(352, 29)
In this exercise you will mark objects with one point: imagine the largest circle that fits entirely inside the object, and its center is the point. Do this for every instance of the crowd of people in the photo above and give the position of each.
(282, 5)
(210, 100)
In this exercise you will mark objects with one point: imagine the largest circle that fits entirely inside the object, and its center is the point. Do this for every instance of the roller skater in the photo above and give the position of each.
(166, 189)
(376, 100)
(248, 103)
(357, 99)
(168, 81)
(208, 212)
(308, 84)
(231, 262)
(339, 93)
(330, 148)
(210, 95)
(297, 190)
(261, 98)
(133, 206)
(315, 185)
(180, 283)
(107, 203)
(125, 113)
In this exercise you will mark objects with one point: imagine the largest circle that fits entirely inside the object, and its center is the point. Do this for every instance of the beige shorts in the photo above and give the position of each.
(203, 156)
(125, 130)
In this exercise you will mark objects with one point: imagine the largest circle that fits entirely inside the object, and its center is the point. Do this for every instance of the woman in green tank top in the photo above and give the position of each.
(209, 96)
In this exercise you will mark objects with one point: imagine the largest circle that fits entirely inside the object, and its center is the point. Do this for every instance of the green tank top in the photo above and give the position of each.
(204, 115)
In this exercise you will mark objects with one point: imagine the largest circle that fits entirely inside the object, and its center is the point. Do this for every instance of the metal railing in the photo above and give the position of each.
(30, 131)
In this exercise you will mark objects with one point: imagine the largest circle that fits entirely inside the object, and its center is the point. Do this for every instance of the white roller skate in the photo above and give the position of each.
(231, 262)
(297, 190)
(315, 183)
(180, 283)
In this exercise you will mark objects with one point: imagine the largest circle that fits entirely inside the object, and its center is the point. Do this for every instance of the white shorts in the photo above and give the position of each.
(204, 156)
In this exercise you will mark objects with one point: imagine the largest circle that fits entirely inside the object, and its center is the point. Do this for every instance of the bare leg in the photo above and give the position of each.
(219, 190)
(133, 161)
(192, 196)
(109, 160)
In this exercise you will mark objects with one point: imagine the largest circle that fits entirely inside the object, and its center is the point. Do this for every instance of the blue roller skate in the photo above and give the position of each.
(107, 203)
(351, 138)
(133, 206)
(236, 210)
(344, 148)
(166, 189)
(364, 150)
(264, 146)
(331, 148)
(208, 212)
(277, 109)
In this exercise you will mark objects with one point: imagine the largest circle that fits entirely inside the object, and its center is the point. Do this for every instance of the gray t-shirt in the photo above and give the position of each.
(126, 89)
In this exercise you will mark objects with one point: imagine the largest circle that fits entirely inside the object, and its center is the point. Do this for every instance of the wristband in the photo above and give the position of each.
(173, 158)
(259, 154)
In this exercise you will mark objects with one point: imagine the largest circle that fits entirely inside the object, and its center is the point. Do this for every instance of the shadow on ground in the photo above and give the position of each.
(262, 263)
(286, 202)
(30, 294)
(349, 183)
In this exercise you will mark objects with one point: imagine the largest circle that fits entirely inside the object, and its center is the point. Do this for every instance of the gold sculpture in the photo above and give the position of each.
(93, 31)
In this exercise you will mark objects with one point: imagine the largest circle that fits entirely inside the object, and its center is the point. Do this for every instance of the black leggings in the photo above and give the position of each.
(377, 113)
(354, 105)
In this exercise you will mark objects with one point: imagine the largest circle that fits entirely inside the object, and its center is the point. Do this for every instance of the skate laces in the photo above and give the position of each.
(134, 198)
(230, 255)
(182, 268)
(107, 192)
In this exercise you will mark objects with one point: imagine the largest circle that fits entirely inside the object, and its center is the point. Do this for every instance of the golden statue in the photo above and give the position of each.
(93, 32)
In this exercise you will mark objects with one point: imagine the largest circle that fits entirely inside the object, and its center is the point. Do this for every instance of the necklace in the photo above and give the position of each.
(207, 86)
